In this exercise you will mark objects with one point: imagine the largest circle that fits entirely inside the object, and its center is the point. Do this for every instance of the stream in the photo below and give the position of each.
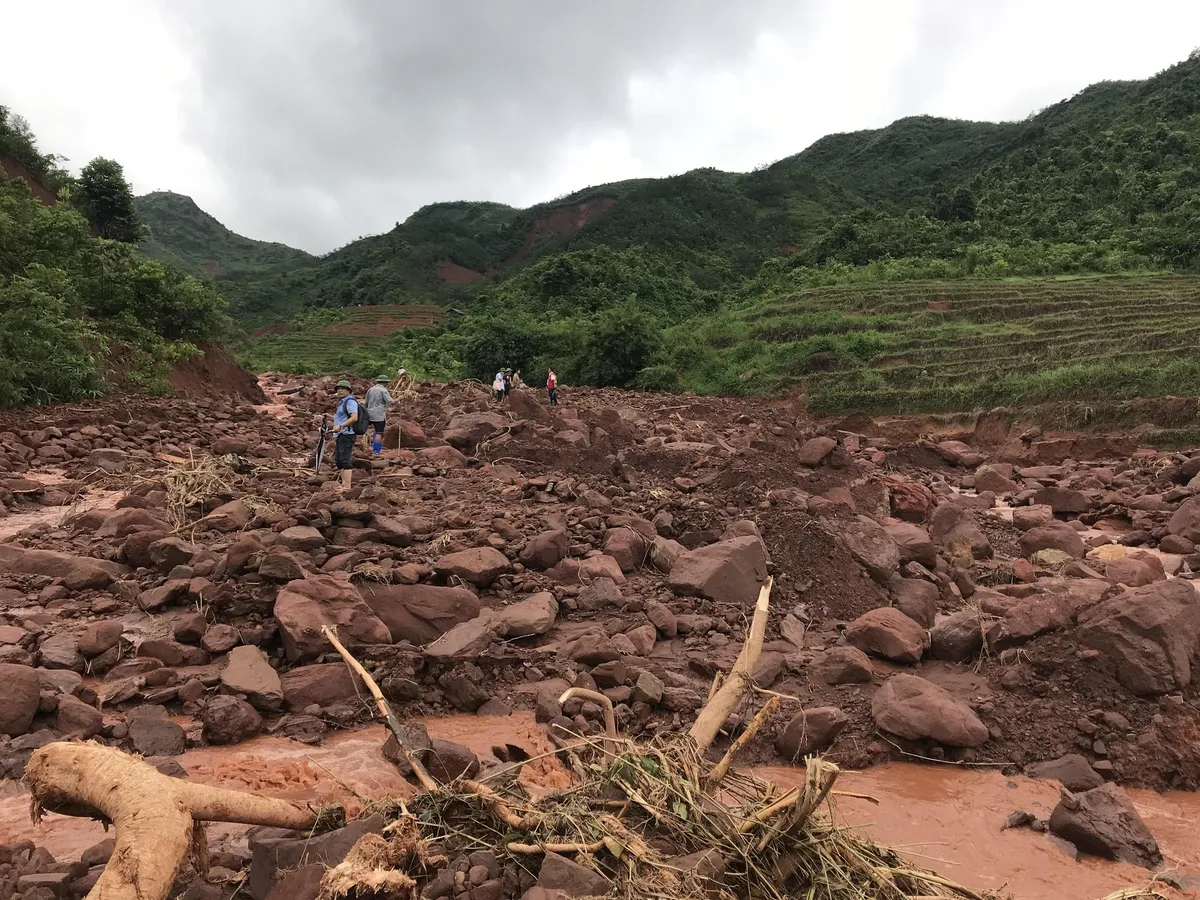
(945, 818)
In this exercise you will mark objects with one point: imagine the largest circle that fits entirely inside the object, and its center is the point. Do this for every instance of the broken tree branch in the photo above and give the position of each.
(154, 815)
(610, 719)
(385, 710)
(721, 769)
(739, 680)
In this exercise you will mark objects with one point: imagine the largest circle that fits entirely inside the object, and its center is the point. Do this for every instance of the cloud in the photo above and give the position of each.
(326, 118)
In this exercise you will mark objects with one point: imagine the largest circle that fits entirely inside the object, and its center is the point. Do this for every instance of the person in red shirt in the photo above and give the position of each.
(552, 387)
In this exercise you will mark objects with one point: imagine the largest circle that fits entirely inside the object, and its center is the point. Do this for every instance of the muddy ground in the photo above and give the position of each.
(990, 602)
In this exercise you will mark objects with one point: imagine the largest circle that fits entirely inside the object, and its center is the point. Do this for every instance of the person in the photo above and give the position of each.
(507, 382)
(378, 401)
(498, 386)
(517, 383)
(344, 418)
(552, 387)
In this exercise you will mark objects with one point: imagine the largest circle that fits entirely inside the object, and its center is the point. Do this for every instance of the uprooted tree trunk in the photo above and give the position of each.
(156, 817)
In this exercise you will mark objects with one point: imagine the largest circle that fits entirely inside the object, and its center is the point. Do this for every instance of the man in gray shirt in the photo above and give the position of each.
(377, 402)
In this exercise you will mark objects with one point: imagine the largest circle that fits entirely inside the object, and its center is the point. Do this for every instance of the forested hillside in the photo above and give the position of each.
(78, 305)
(658, 282)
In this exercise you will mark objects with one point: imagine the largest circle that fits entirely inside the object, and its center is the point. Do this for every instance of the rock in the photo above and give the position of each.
(232, 516)
(61, 651)
(987, 478)
(888, 633)
(814, 451)
(220, 639)
(420, 613)
(534, 615)
(304, 607)
(914, 544)
(954, 529)
(228, 720)
(479, 565)
(911, 707)
(791, 630)
(648, 689)
(561, 874)
(99, 636)
(1131, 572)
(1027, 517)
(663, 618)
(1023, 571)
(916, 598)
(727, 571)
(120, 523)
(241, 552)
(872, 547)
(1103, 822)
(447, 761)
(464, 640)
(19, 699)
(627, 547)
(445, 458)
(643, 638)
(156, 598)
(664, 552)
(1174, 543)
(957, 637)
(1072, 771)
(910, 501)
(391, 531)
(275, 851)
(249, 672)
(810, 731)
(959, 454)
(157, 737)
(302, 538)
(77, 573)
(1062, 500)
(169, 552)
(545, 550)
(1052, 536)
(317, 685)
(76, 717)
(280, 565)
(1185, 521)
(467, 431)
(1149, 633)
(843, 665)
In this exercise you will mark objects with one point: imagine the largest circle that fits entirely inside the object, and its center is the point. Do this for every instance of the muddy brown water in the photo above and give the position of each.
(945, 818)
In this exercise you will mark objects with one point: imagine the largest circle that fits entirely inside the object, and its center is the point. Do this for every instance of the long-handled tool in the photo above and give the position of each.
(321, 441)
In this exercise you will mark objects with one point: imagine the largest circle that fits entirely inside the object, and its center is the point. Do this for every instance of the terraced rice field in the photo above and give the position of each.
(951, 346)
(380, 321)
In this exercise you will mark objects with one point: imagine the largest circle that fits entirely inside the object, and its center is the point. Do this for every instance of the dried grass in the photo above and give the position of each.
(632, 814)
(192, 482)
(372, 572)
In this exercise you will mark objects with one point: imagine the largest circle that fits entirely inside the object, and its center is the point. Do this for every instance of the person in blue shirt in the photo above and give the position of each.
(344, 418)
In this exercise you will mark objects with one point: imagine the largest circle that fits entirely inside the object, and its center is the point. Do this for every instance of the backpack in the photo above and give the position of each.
(361, 424)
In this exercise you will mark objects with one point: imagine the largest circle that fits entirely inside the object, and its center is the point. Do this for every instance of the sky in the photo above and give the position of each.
(315, 122)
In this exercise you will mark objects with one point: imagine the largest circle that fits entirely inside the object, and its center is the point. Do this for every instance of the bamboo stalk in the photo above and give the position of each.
(385, 710)
(717, 710)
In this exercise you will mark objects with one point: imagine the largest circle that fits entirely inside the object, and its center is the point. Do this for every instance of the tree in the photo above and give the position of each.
(619, 346)
(105, 197)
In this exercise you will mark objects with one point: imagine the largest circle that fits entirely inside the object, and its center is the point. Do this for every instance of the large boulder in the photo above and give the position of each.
(304, 607)
(228, 720)
(629, 548)
(1026, 517)
(1063, 500)
(914, 543)
(813, 452)
(888, 633)
(1103, 822)
(911, 707)
(951, 526)
(1053, 536)
(810, 731)
(872, 547)
(1149, 633)
(916, 598)
(990, 478)
(419, 613)
(318, 685)
(479, 565)
(959, 454)
(1185, 522)
(19, 698)
(957, 637)
(467, 431)
(727, 571)
(1071, 771)
(77, 572)
(248, 671)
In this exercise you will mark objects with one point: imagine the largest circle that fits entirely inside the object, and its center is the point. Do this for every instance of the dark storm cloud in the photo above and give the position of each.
(330, 118)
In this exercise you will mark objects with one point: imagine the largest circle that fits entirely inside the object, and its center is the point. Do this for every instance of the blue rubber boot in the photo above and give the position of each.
(376, 446)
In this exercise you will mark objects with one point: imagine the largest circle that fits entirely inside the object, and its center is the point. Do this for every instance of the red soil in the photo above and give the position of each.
(564, 220)
(215, 374)
(453, 273)
(273, 328)
(37, 190)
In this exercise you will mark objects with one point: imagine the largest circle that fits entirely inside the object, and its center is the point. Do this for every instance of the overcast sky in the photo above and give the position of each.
(314, 122)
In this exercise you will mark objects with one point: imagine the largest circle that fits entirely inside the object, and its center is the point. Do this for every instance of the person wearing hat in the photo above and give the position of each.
(378, 401)
(344, 417)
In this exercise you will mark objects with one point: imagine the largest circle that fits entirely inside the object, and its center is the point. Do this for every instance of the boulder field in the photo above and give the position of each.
(935, 598)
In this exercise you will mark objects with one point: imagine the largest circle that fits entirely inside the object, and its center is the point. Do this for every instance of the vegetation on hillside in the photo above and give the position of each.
(71, 303)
